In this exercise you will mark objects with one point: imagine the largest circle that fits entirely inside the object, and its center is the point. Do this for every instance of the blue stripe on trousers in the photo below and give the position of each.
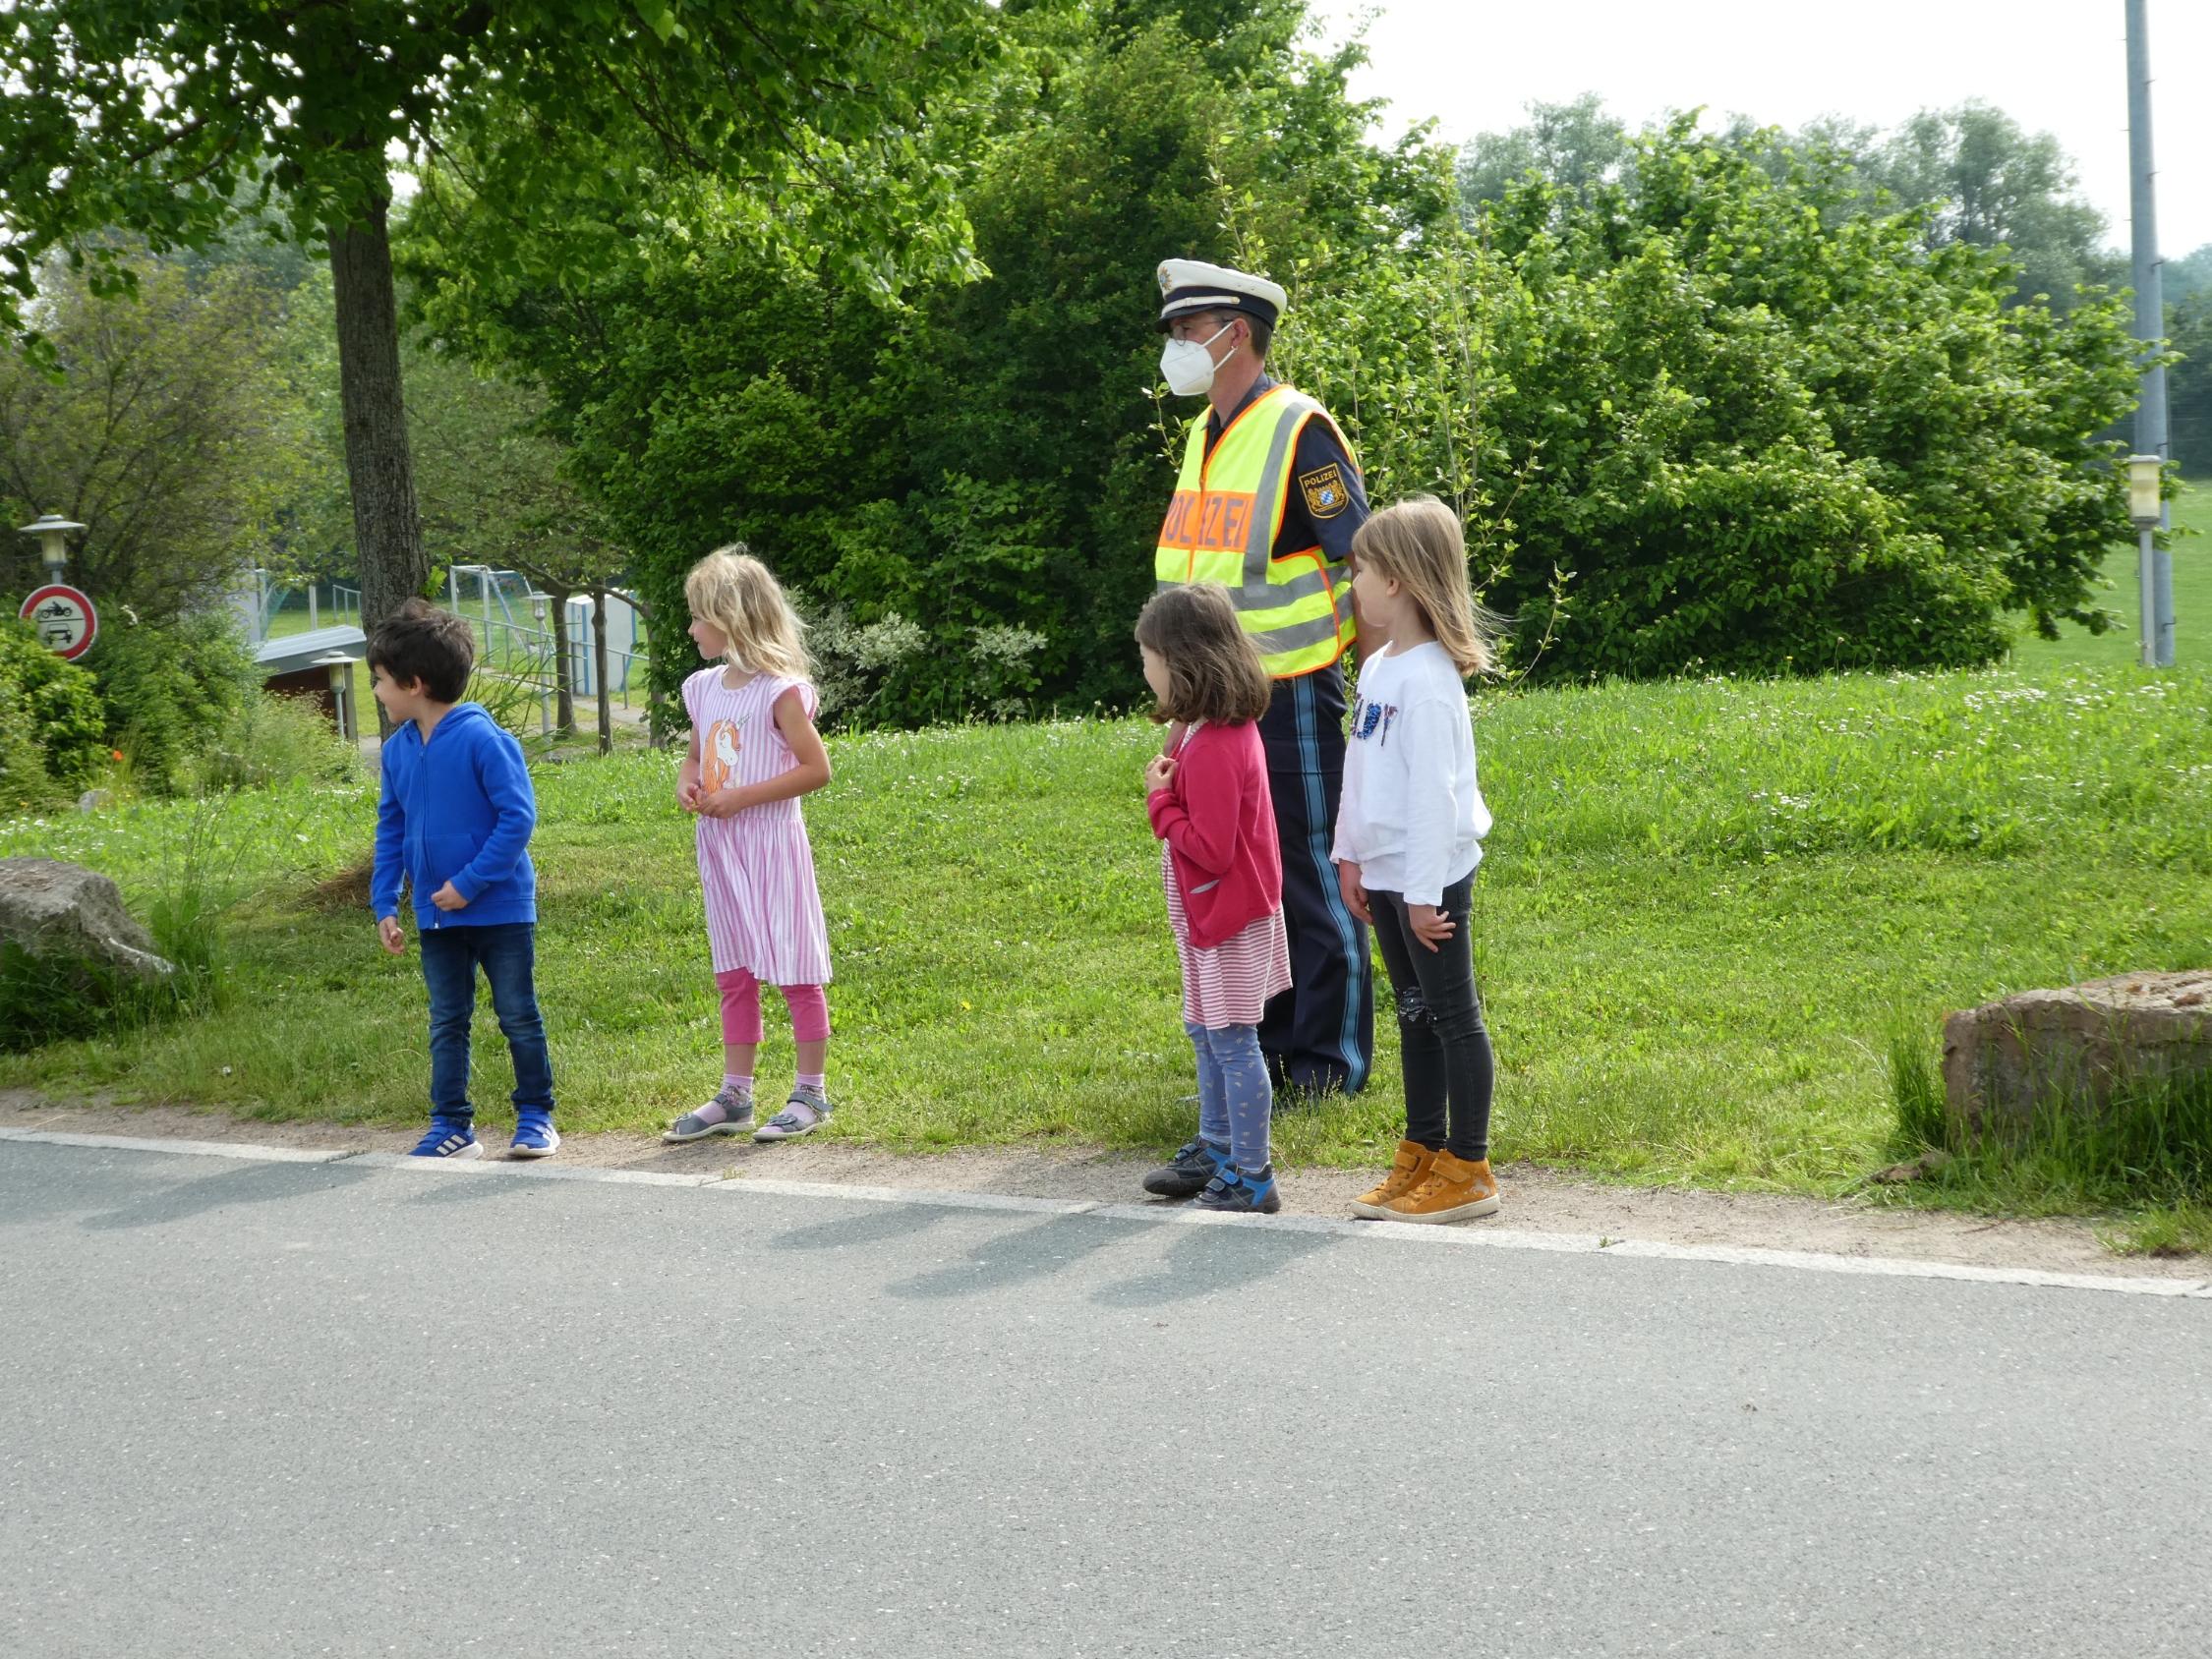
(1318, 831)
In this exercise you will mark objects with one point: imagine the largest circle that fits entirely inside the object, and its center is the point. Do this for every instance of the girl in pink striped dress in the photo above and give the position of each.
(1208, 801)
(754, 752)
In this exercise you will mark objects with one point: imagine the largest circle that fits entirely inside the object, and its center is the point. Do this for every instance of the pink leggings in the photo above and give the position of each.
(741, 1009)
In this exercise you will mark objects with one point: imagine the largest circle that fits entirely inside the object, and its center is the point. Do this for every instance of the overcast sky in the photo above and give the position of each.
(2057, 66)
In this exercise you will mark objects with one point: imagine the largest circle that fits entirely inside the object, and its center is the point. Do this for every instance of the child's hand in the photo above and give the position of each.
(1354, 890)
(1430, 925)
(448, 898)
(720, 803)
(687, 793)
(1159, 773)
(389, 935)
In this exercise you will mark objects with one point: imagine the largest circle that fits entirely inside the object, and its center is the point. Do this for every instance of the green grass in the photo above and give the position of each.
(2192, 600)
(1705, 909)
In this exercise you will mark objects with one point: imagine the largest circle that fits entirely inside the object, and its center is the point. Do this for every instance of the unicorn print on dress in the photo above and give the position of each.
(721, 768)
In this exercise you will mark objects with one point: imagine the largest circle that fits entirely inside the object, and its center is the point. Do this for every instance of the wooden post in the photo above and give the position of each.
(599, 670)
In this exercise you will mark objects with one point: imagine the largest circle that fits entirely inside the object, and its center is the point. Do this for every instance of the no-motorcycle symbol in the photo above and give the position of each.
(65, 619)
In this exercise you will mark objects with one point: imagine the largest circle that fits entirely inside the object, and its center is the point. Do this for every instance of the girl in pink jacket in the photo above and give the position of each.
(1207, 796)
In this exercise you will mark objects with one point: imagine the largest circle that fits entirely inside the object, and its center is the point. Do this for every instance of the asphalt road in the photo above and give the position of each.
(254, 1408)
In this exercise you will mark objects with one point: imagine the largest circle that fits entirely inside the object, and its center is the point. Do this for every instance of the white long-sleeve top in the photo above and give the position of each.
(1412, 815)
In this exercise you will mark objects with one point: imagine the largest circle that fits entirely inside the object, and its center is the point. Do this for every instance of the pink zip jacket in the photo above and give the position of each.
(1218, 820)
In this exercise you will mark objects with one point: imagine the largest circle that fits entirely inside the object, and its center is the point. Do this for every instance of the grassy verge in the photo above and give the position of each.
(1706, 907)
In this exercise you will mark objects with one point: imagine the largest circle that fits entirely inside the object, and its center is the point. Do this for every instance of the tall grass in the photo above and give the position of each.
(1703, 909)
(2147, 1149)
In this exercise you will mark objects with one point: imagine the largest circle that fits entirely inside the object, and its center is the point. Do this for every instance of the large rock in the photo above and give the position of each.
(63, 910)
(2071, 1048)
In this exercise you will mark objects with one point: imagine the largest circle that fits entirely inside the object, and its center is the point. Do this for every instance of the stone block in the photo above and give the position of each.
(57, 911)
(2072, 1049)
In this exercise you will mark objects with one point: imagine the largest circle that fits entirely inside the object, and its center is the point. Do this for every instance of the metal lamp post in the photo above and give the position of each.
(341, 689)
(2144, 473)
(544, 688)
(2151, 436)
(53, 532)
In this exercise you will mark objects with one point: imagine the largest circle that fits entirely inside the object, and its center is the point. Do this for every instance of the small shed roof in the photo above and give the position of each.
(288, 654)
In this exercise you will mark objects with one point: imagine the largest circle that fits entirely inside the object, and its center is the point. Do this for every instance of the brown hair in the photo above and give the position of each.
(420, 642)
(1214, 670)
(1418, 544)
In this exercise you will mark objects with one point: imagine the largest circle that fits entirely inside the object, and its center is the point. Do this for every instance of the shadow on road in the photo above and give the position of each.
(868, 1227)
(1051, 1246)
(255, 1183)
(1208, 1259)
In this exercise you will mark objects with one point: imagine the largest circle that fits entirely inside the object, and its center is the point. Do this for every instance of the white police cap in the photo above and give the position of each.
(1190, 285)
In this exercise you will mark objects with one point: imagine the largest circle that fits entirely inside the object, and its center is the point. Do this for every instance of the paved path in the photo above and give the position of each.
(293, 1408)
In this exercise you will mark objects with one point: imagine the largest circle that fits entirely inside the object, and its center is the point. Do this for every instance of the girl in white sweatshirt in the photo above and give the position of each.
(1409, 835)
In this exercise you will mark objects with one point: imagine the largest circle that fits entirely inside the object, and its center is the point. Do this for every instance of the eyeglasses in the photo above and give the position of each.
(1197, 325)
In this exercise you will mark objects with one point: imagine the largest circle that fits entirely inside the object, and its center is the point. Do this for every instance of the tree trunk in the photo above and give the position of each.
(386, 526)
(565, 669)
(599, 671)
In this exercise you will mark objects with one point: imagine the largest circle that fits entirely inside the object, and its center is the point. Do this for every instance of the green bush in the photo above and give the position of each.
(272, 740)
(51, 724)
(170, 691)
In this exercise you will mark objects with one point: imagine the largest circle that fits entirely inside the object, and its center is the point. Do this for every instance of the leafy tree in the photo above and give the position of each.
(492, 493)
(172, 432)
(1990, 183)
(1764, 430)
(2189, 384)
(965, 487)
(2185, 278)
(173, 120)
(1575, 147)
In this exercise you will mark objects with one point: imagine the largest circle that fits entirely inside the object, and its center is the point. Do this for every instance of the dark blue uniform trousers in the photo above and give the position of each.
(1319, 1033)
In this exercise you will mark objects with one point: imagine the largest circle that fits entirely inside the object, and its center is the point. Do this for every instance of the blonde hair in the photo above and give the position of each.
(737, 596)
(1418, 544)
(1214, 670)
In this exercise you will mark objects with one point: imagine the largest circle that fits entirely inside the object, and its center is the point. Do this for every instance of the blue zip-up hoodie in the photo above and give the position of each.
(456, 809)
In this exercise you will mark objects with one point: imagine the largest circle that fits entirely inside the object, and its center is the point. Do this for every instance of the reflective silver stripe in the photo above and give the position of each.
(1274, 641)
(1307, 583)
(1260, 534)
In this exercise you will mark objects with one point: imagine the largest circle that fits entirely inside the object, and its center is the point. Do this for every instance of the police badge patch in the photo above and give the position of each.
(1326, 491)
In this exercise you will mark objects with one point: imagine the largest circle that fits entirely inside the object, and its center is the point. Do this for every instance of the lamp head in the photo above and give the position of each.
(2144, 474)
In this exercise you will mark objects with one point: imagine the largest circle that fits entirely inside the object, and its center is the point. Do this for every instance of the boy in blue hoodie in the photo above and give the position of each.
(454, 822)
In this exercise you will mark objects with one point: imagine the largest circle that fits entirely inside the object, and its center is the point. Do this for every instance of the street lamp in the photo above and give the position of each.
(341, 689)
(2145, 473)
(53, 532)
(544, 689)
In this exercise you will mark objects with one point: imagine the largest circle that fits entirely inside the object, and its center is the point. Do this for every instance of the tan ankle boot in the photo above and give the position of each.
(1454, 1190)
(1408, 1172)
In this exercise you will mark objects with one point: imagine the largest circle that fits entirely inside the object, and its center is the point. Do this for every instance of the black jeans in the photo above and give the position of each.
(506, 953)
(1444, 1046)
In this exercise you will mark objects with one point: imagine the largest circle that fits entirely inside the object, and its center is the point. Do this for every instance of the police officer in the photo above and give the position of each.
(1266, 505)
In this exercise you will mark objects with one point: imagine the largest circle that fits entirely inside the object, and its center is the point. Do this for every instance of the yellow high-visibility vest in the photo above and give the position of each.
(1221, 528)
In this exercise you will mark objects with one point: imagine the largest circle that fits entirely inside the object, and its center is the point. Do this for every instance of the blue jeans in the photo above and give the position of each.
(506, 952)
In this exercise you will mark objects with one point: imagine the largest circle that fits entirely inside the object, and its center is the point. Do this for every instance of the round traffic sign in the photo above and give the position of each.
(65, 619)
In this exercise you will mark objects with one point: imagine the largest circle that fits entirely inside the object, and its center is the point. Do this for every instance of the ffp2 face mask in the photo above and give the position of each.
(1188, 367)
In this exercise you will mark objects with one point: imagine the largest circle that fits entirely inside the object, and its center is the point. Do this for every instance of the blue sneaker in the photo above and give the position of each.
(449, 1139)
(534, 1134)
(1186, 1173)
(1238, 1192)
